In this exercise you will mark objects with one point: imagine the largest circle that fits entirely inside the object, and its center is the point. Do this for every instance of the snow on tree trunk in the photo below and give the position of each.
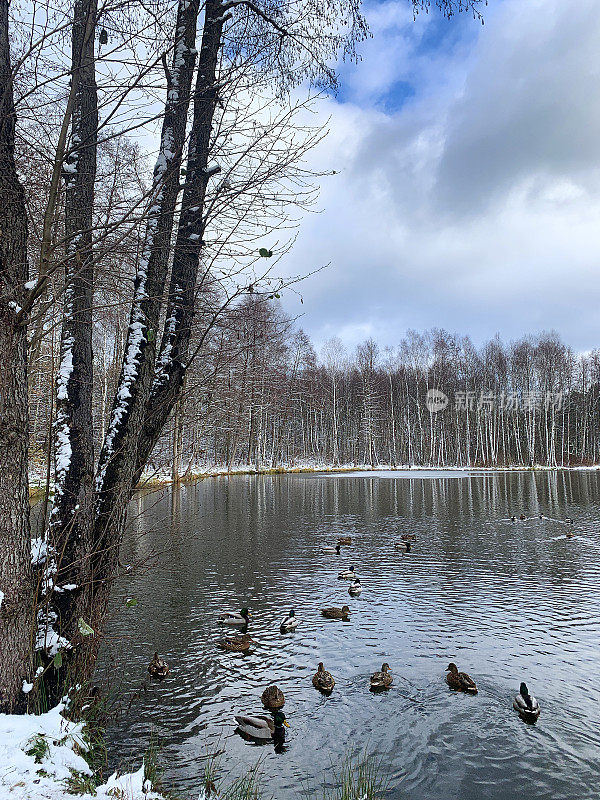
(72, 514)
(171, 365)
(118, 458)
(16, 600)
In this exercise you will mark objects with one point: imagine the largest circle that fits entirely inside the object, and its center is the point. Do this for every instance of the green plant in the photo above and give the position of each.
(81, 783)
(38, 748)
(361, 777)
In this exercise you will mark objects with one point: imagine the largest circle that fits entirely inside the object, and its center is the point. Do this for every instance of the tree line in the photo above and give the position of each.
(260, 397)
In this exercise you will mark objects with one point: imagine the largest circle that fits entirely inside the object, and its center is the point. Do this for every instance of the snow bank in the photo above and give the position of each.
(58, 746)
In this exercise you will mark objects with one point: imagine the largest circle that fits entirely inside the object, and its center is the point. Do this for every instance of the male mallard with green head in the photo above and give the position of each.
(235, 618)
(263, 728)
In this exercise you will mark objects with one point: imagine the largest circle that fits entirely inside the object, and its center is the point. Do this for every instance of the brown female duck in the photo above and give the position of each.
(460, 681)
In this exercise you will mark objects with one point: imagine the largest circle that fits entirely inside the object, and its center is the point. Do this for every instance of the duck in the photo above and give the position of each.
(355, 588)
(323, 680)
(290, 623)
(344, 540)
(408, 537)
(235, 644)
(383, 679)
(513, 518)
(522, 516)
(460, 681)
(336, 613)
(263, 728)
(333, 550)
(158, 667)
(235, 618)
(406, 546)
(272, 698)
(347, 573)
(570, 534)
(527, 706)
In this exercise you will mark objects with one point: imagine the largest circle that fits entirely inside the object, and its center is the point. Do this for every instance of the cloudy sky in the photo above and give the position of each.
(468, 193)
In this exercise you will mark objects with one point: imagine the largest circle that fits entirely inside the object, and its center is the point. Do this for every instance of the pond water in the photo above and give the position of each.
(506, 601)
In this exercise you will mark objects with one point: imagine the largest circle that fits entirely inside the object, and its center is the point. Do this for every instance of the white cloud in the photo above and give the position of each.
(475, 205)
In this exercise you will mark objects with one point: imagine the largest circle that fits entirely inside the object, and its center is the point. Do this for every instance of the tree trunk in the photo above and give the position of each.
(72, 515)
(118, 463)
(16, 596)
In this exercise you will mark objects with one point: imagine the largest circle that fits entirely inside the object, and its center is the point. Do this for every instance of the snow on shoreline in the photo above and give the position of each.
(198, 472)
(59, 745)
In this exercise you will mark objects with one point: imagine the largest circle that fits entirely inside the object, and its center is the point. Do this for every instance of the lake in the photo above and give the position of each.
(507, 601)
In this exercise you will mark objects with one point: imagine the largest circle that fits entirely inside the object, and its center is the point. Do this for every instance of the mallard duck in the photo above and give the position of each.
(333, 550)
(522, 516)
(290, 623)
(527, 706)
(235, 618)
(272, 698)
(355, 588)
(460, 681)
(336, 613)
(236, 644)
(570, 534)
(383, 679)
(323, 680)
(158, 667)
(406, 546)
(344, 540)
(346, 574)
(513, 519)
(408, 537)
(263, 728)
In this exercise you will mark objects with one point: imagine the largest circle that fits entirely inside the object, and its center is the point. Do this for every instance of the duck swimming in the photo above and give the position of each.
(527, 706)
(158, 667)
(263, 728)
(382, 680)
(272, 698)
(344, 540)
(336, 613)
(323, 680)
(408, 537)
(290, 623)
(406, 546)
(235, 618)
(333, 550)
(347, 573)
(235, 644)
(355, 588)
(460, 681)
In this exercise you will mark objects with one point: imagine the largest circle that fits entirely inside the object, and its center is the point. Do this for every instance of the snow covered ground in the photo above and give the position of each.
(40, 754)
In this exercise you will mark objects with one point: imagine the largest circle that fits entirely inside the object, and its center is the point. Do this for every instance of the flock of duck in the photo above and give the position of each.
(264, 728)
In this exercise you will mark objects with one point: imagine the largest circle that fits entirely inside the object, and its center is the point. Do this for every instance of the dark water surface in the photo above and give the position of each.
(507, 601)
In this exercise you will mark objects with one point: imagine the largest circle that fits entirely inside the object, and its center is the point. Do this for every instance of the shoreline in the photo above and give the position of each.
(161, 479)
(37, 485)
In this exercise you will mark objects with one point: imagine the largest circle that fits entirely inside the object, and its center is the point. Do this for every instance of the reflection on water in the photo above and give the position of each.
(506, 601)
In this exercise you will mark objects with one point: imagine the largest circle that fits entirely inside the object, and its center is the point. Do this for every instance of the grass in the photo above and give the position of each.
(361, 777)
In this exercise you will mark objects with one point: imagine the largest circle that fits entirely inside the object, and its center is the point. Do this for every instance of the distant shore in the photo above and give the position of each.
(159, 477)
